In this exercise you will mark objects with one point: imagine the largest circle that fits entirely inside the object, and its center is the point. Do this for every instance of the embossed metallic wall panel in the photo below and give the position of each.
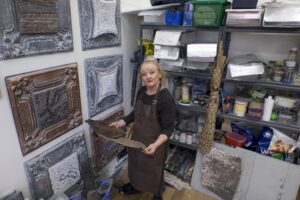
(104, 150)
(104, 82)
(31, 27)
(100, 22)
(45, 104)
(53, 170)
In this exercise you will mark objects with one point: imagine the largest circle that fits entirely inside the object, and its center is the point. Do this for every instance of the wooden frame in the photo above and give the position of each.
(45, 104)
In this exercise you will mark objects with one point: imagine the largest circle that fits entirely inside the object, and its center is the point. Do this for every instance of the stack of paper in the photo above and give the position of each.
(166, 44)
(245, 65)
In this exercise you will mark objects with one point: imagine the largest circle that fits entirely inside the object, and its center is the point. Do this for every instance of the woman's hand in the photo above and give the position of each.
(151, 149)
(118, 124)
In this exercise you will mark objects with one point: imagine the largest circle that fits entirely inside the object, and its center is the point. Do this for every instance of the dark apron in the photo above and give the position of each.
(145, 171)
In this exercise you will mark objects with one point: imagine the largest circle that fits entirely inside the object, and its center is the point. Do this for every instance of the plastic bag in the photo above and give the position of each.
(282, 143)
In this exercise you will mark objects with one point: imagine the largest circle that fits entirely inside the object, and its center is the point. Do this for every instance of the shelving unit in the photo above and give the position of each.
(195, 74)
(277, 87)
(193, 109)
(265, 84)
(274, 124)
(266, 30)
(186, 146)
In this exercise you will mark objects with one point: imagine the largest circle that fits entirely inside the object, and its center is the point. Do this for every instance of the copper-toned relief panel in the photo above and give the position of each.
(45, 104)
(104, 150)
(37, 16)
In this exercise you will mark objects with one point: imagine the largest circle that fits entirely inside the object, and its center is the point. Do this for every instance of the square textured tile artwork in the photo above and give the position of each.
(45, 104)
(32, 27)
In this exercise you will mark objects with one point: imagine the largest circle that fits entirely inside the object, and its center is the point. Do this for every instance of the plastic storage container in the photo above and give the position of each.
(208, 13)
(235, 139)
(174, 17)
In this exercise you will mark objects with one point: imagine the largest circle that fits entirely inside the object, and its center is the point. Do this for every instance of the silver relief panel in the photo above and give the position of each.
(63, 168)
(64, 174)
(104, 82)
(32, 27)
(100, 23)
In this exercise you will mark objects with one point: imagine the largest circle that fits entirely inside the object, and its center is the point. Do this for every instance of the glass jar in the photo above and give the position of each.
(277, 74)
(185, 96)
(288, 75)
(182, 137)
(290, 61)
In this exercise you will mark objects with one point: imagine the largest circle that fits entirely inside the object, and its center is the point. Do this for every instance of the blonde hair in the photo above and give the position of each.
(159, 69)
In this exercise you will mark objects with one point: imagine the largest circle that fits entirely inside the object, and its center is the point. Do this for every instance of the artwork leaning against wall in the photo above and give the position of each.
(62, 169)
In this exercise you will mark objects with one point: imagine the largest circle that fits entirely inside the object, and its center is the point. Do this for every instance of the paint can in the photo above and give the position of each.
(240, 106)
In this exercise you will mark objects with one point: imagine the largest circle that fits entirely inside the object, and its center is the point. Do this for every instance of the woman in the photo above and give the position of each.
(154, 118)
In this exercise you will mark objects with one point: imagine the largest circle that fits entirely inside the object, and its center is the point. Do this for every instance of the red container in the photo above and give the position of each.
(235, 139)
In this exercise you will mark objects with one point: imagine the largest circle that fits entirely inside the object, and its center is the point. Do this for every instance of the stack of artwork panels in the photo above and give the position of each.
(100, 23)
(61, 169)
(104, 83)
(31, 27)
(45, 104)
(104, 150)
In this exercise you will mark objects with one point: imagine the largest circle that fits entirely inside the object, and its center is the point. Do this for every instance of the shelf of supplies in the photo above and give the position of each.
(192, 108)
(195, 74)
(262, 30)
(183, 145)
(266, 84)
(156, 26)
(273, 124)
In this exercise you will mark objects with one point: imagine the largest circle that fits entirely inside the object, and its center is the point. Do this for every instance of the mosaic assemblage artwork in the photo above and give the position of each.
(104, 82)
(61, 169)
(45, 104)
(104, 150)
(31, 27)
(100, 23)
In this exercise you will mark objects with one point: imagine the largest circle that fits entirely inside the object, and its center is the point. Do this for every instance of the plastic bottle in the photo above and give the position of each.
(290, 65)
(185, 97)
(268, 107)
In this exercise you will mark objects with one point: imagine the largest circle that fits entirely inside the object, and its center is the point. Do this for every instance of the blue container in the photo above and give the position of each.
(187, 18)
(105, 188)
(173, 17)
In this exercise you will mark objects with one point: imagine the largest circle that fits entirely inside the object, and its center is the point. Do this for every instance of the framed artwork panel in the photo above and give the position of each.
(104, 83)
(61, 169)
(45, 104)
(32, 27)
(100, 22)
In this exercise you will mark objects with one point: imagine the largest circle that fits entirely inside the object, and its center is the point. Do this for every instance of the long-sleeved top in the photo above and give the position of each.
(165, 109)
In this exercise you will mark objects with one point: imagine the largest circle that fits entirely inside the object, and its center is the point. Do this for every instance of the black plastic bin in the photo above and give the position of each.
(244, 4)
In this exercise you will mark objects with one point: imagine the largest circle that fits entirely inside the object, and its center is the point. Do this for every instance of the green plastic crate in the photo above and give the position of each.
(208, 13)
